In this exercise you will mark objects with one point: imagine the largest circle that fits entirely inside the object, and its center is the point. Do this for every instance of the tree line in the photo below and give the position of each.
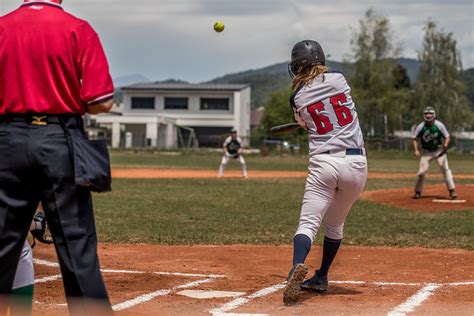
(386, 100)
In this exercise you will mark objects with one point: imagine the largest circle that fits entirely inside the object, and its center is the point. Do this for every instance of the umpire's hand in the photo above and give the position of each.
(104, 107)
(417, 154)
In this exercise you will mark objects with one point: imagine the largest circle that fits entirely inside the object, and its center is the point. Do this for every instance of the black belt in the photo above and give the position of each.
(350, 151)
(40, 119)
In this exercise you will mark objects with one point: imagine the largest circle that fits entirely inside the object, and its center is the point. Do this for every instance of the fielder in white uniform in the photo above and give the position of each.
(434, 139)
(322, 104)
(233, 150)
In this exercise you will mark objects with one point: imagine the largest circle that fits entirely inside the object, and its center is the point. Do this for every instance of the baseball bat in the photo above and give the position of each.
(442, 153)
(285, 128)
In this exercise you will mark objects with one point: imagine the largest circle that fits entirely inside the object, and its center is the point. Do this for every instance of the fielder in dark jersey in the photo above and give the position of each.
(434, 139)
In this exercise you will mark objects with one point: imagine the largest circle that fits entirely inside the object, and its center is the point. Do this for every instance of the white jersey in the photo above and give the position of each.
(228, 140)
(326, 107)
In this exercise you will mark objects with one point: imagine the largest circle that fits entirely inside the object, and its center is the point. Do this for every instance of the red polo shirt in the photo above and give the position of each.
(50, 61)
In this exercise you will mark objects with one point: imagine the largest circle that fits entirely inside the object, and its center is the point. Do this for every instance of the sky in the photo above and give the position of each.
(164, 39)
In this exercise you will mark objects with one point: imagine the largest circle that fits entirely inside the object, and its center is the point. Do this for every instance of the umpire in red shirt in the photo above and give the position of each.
(52, 69)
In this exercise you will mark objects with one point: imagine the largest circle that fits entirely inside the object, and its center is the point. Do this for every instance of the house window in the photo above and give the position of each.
(140, 103)
(176, 103)
(215, 104)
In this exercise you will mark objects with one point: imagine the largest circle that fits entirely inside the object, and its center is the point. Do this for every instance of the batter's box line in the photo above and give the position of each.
(142, 298)
(139, 299)
(148, 297)
(414, 301)
(189, 275)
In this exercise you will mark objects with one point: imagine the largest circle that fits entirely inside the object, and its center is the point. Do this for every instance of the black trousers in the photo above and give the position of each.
(35, 165)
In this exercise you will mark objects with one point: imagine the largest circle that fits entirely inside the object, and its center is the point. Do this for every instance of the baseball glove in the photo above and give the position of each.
(234, 156)
(41, 231)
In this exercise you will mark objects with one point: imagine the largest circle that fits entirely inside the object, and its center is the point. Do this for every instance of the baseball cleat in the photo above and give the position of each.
(453, 194)
(295, 279)
(417, 195)
(315, 284)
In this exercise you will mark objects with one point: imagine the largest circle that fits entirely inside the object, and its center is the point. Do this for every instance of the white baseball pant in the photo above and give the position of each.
(225, 160)
(442, 161)
(334, 183)
(25, 274)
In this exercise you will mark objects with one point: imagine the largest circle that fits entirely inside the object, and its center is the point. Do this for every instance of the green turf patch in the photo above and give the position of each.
(385, 161)
(204, 160)
(372, 224)
(233, 211)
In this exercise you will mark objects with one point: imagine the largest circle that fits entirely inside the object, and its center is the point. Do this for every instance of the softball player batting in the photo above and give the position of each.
(434, 139)
(232, 150)
(322, 105)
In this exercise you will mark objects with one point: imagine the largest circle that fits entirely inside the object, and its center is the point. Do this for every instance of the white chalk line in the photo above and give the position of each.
(238, 302)
(244, 300)
(376, 283)
(48, 279)
(46, 263)
(461, 283)
(414, 301)
(142, 298)
(223, 310)
(148, 297)
(189, 275)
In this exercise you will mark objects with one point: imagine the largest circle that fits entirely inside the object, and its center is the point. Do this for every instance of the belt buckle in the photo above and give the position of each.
(39, 120)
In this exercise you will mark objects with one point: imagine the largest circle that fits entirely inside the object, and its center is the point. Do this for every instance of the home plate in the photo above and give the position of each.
(202, 294)
(449, 201)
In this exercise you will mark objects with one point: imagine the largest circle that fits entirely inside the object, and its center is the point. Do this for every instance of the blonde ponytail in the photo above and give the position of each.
(307, 75)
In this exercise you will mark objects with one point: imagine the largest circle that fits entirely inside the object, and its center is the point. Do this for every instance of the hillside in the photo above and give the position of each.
(275, 77)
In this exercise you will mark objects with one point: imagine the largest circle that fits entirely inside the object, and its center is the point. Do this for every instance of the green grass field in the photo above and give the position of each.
(262, 211)
(386, 161)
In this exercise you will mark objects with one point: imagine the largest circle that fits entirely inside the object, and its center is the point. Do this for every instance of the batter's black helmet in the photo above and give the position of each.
(306, 54)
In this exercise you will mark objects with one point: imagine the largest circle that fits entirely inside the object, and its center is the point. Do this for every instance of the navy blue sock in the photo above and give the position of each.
(331, 246)
(301, 248)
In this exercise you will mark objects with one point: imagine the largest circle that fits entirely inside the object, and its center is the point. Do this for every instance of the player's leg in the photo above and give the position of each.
(244, 166)
(319, 192)
(352, 179)
(224, 162)
(23, 285)
(447, 174)
(424, 166)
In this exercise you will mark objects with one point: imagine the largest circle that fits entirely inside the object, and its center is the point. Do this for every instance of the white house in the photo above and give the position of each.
(163, 115)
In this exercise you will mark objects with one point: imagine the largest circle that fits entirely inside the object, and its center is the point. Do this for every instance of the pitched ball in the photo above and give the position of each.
(219, 26)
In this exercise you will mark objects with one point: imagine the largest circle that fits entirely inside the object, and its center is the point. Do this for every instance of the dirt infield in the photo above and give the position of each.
(156, 173)
(435, 198)
(150, 280)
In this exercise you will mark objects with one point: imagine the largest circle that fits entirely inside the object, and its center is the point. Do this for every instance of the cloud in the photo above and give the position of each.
(174, 38)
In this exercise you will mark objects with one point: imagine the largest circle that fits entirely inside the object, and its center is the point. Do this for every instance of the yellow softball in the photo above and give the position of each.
(219, 26)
